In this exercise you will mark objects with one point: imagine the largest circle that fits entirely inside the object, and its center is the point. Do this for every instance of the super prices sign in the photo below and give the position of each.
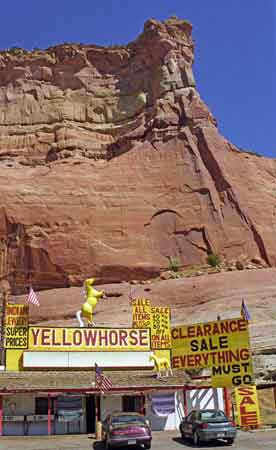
(222, 346)
(16, 326)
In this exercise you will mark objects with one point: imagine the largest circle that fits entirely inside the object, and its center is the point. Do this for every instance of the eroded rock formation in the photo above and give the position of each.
(110, 163)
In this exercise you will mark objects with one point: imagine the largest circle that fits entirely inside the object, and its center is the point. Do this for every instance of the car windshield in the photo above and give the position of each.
(213, 416)
(127, 419)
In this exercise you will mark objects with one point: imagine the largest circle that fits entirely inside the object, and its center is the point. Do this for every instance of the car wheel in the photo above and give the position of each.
(147, 445)
(230, 441)
(196, 439)
(107, 445)
(183, 436)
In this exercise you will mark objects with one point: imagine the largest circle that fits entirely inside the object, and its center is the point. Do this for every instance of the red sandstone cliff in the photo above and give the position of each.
(110, 163)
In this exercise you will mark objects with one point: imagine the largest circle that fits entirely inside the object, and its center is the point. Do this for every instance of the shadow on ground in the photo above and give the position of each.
(188, 443)
(99, 445)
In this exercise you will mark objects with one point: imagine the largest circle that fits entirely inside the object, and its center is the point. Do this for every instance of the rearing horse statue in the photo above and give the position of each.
(87, 309)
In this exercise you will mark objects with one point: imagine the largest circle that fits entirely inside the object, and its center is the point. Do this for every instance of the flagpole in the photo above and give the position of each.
(5, 296)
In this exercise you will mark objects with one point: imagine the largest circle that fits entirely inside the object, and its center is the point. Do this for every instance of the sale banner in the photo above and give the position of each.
(248, 411)
(141, 310)
(160, 325)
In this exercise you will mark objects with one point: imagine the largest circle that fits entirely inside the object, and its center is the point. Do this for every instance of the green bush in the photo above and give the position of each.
(194, 371)
(174, 264)
(16, 50)
(175, 275)
(213, 260)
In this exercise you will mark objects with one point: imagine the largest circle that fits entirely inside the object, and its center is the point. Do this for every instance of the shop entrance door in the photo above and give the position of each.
(90, 414)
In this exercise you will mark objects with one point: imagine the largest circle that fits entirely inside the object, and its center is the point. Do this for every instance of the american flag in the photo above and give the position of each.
(32, 298)
(244, 312)
(102, 382)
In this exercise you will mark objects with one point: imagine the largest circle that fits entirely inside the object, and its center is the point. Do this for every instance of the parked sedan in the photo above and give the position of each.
(208, 425)
(126, 429)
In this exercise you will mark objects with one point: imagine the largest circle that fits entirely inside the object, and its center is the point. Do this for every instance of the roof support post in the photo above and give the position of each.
(185, 404)
(1, 415)
(227, 402)
(49, 415)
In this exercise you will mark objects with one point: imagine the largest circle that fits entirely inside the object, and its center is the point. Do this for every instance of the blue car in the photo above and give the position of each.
(208, 425)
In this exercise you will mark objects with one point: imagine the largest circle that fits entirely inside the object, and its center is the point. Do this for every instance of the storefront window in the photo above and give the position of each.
(41, 406)
(133, 403)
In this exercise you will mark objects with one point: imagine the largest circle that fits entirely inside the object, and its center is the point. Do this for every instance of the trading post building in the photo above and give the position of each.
(48, 384)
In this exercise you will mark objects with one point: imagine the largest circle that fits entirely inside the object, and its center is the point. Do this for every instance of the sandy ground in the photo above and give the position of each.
(161, 441)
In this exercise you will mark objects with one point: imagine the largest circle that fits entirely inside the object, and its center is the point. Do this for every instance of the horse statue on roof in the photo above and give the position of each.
(87, 309)
(161, 365)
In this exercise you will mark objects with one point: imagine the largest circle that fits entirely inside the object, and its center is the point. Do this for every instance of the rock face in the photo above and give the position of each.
(110, 163)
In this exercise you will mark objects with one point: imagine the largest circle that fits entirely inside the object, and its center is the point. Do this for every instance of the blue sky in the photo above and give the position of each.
(235, 49)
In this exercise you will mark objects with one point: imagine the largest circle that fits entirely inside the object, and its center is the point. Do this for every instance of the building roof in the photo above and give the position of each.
(123, 380)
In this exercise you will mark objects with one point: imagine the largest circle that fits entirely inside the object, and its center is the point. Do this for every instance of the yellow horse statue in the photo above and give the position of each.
(87, 309)
(161, 364)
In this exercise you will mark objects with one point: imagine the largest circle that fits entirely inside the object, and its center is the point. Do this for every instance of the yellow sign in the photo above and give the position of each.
(160, 324)
(248, 411)
(89, 339)
(221, 345)
(16, 326)
(157, 318)
(141, 309)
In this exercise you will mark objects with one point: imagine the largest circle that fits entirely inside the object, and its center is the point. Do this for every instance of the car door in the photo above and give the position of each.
(189, 423)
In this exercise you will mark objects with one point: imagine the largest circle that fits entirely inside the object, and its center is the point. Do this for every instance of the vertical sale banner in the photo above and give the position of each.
(160, 325)
(16, 326)
(141, 311)
(157, 318)
(248, 411)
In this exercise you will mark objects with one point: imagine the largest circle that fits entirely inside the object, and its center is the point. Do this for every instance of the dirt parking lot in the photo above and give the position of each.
(261, 440)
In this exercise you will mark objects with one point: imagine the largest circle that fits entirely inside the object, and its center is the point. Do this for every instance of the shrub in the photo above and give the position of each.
(174, 264)
(194, 371)
(16, 50)
(175, 275)
(213, 260)
(239, 265)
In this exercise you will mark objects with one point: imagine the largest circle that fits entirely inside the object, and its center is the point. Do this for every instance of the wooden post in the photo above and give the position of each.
(227, 403)
(49, 415)
(96, 409)
(142, 404)
(98, 432)
(274, 393)
(1, 415)
(4, 295)
(185, 404)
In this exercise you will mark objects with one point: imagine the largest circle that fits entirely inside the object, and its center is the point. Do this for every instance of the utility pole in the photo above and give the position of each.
(4, 296)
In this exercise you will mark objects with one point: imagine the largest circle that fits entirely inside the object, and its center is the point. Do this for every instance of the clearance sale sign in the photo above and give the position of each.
(222, 346)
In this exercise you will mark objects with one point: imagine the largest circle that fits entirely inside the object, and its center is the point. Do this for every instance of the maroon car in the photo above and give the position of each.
(126, 429)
